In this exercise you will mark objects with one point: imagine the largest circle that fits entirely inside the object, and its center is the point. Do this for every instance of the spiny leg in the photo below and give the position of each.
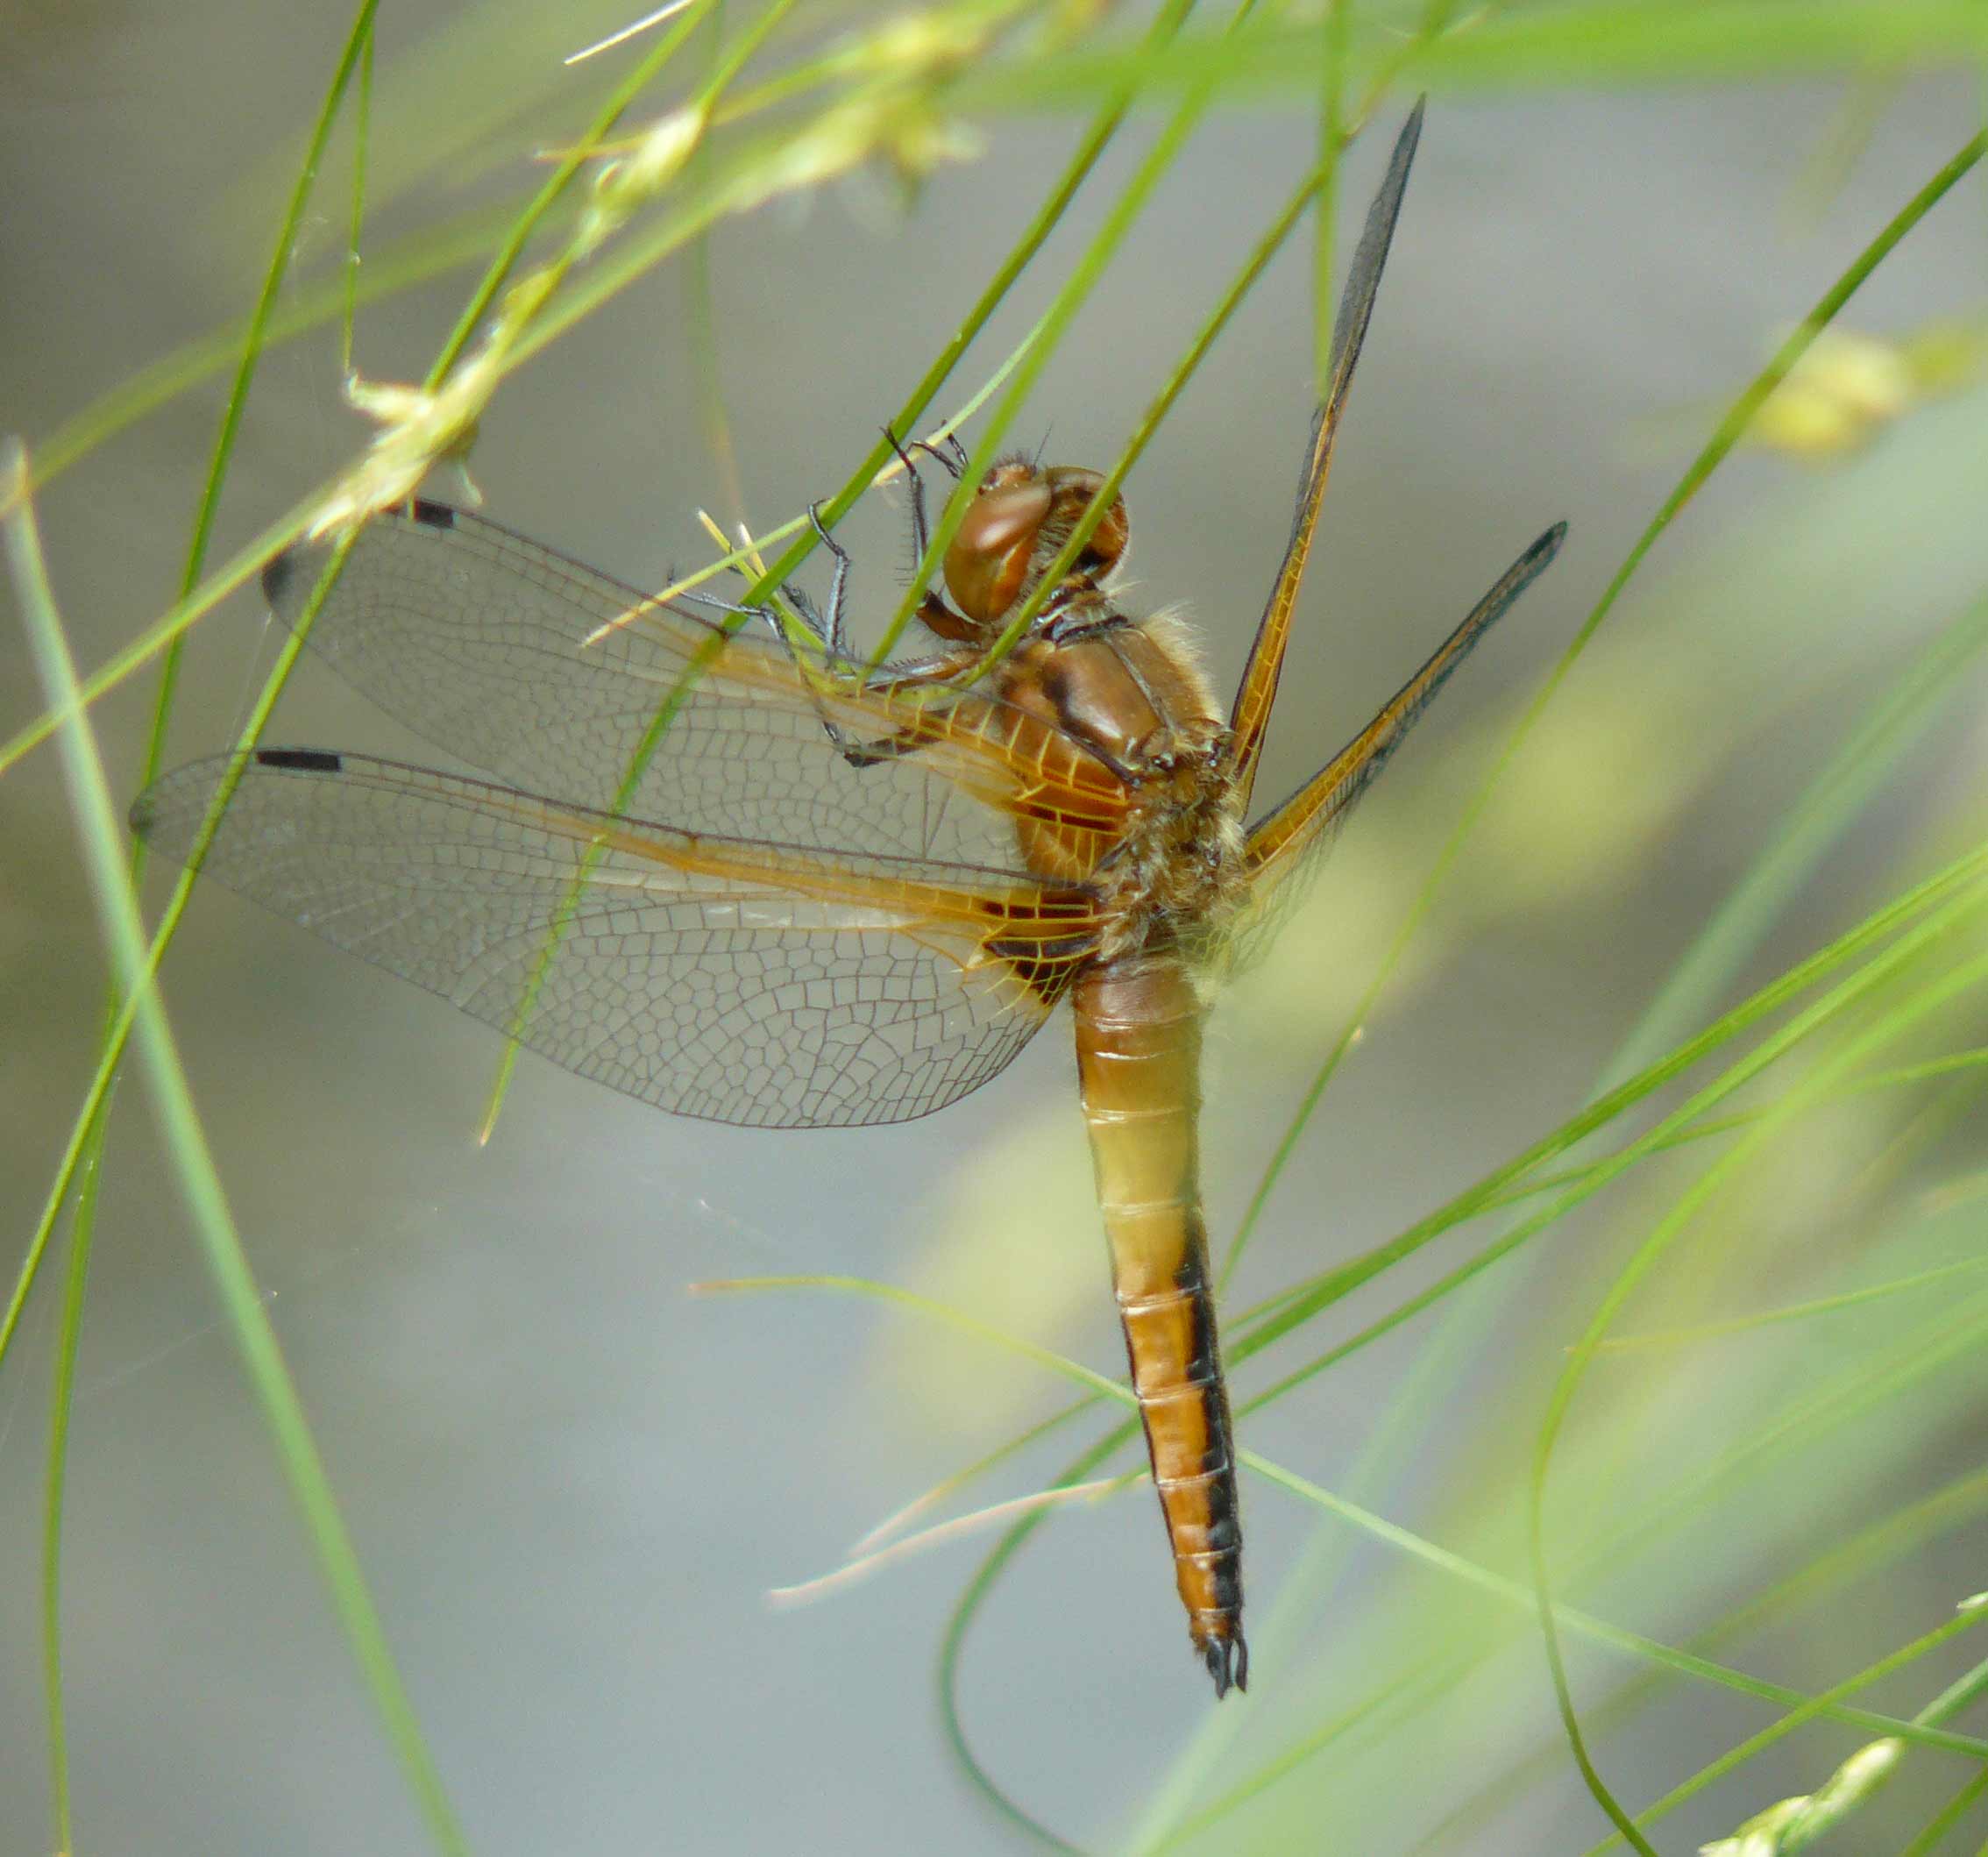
(803, 605)
(836, 633)
(920, 535)
(908, 740)
(828, 629)
(832, 630)
(835, 630)
(954, 461)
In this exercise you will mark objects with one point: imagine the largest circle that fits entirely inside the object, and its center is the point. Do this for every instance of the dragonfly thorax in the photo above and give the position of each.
(1133, 695)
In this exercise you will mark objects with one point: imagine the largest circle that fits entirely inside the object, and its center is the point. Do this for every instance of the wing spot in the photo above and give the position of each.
(300, 760)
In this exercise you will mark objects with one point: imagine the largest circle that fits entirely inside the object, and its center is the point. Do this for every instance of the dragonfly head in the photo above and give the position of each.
(1015, 526)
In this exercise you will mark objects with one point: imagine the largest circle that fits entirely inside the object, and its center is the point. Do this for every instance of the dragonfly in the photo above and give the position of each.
(790, 892)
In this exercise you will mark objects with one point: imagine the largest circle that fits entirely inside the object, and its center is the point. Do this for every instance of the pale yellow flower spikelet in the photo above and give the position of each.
(893, 117)
(419, 428)
(628, 182)
(1794, 1824)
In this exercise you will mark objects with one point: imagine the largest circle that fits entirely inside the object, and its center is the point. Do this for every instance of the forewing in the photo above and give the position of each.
(1249, 718)
(479, 641)
(742, 982)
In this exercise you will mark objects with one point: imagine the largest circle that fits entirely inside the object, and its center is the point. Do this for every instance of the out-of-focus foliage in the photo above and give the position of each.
(1761, 1510)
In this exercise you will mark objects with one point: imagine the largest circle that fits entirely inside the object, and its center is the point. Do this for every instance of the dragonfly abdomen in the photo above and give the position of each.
(1139, 1061)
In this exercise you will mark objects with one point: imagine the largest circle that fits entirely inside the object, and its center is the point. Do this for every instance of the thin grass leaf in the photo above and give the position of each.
(1956, 884)
(1057, 320)
(388, 272)
(571, 165)
(1899, 1077)
(1715, 450)
(863, 1566)
(1796, 1833)
(1930, 998)
(200, 1182)
(90, 1154)
(1874, 1549)
(903, 1299)
(362, 131)
(55, 1493)
(1610, 42)
(1703, 1332)
(1428, 1553)
(1932, 1835)
(1599, 1631)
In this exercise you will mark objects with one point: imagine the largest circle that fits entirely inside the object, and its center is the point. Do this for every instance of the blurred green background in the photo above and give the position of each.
(572, 1483)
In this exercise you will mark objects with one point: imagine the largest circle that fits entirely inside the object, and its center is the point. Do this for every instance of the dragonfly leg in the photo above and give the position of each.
(953, 462)
(908, 673)
(836, 630)
(857, 754)
(833, 631)
(871, 753)
(921, 534)
(691, 597)
(932, 611)
(810, 613)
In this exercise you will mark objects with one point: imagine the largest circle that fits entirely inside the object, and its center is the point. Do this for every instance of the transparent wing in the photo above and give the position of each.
(478, 639)
(1249, 718)
(1290, 837)
(743, 982)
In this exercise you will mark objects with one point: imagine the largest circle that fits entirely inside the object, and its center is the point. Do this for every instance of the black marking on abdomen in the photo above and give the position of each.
(300, 760)
(1218, 1459)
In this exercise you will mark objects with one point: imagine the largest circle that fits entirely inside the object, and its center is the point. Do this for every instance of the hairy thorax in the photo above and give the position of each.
(1133, 693)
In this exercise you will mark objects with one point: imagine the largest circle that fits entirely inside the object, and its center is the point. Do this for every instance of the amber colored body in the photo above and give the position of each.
(1165, 889)
(1139, 1057)
(1168, 891)
(1133, 694)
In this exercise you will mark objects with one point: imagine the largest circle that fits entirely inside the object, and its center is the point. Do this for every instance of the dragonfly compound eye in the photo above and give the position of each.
(1071, 491)
(987, 565)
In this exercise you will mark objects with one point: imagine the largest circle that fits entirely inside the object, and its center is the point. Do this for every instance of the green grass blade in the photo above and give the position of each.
(1936, 904)
(1738, 1755)
(362, 132)
(1934, 1831)
(1943, 993)
(566, 169)
(1522, 1598)
(200, 1182)
(1084, 275)
(1606, 43)
(1100, 1384)
(1717, 449)
(1096, 138)
(82, 1225)
(62, 1404)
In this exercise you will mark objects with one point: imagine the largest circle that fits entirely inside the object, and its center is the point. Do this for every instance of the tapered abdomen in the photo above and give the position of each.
(1139, 1059)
